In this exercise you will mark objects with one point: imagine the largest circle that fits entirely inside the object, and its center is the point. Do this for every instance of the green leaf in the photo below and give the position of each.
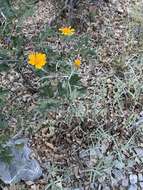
(47, 90)
(6, 8)
(4, 54)
(74, 80)
(2, 102)
(19, 146)
(3, 122)
(4, 67)
(49, 104)
(5, 155)
(62, 89)
(3, 91)
(2, 97)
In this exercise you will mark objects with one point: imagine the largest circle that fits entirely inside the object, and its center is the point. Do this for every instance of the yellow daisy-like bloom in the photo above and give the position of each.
(67, 31)
(37, 59)
(77, 63)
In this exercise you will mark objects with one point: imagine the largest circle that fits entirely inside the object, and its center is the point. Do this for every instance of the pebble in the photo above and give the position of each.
(120, 9)
(140, 177)
(133, 187)
(33, 187)
(139, 152)
(133, 178)
(29, 183)
(141, 114)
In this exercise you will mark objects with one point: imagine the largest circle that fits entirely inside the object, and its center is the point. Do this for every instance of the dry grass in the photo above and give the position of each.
(92, 142)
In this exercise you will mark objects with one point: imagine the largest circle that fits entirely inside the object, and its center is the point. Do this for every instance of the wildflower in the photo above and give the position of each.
(37, 59)
(67, 31)
(77, 63)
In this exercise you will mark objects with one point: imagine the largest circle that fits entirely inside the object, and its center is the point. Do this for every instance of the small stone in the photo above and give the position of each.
(140, 176)
(141, 114)
(120, 9)
(139, 151)
(133, 178)
(125, 182)
(29, 183)
(133, 187)
(33, 187)
(109, 81)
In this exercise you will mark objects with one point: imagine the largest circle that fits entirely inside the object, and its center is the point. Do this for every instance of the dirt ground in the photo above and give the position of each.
(74, 155)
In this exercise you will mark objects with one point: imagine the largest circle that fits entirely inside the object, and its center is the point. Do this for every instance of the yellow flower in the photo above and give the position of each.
(37, 59)
(67, 31)
(77, 63)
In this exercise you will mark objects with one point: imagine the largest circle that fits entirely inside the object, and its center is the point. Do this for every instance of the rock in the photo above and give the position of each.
(139, 151)
(133, 179)
(120, 9)
(133, 187)
(141, 114)
(29, 183)
(33, 187)
(21, 166)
